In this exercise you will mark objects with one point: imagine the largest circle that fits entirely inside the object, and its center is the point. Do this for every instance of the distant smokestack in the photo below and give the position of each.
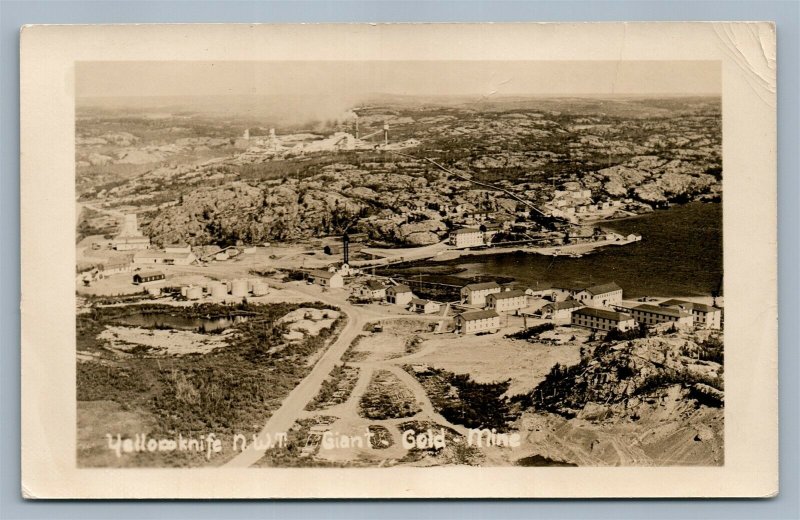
(272, 133)
(346, 248)
(385, 133)
(356, 126)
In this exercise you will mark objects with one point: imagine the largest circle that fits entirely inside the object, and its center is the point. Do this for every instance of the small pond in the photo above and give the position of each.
(163, 320)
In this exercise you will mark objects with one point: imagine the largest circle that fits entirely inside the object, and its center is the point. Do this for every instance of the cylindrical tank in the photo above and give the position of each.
(183, 291)
(260, 289)
(154, 291)
(239, 288)
(194, 292)
(217, 290)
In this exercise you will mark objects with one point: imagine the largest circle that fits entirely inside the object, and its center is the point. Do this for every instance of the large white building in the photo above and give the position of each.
(476, 293)
(477, 321)
(507, 301)
(466, 237)
(601, 319)
(704, 316)
(604, 295)
(331, 280)
(653, 315)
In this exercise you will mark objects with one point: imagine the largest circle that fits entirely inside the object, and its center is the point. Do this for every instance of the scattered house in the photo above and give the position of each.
(477, 321)
(601, 319)
(163, 257)
(332, 250)
(476, 293)
(604, 295)
(399, 295)
(559, 294)
(424, 306)
(148, 276)
(326, 279)
(374, 290)
(506, 301)
(466, 237)
(652, 315)
(632, 237)
(703, 315)
(561, 310)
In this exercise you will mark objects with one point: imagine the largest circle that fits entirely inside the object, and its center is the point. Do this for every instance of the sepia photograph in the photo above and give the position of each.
(390, 269)
(376, 264)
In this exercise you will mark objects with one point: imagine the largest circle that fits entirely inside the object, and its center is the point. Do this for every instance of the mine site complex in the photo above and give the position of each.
(515, 268)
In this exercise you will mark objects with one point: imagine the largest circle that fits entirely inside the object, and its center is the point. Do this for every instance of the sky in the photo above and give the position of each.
(356, 79)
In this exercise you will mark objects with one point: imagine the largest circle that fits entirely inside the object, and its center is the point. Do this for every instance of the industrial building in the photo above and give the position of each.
(507, 301)
(399, 295)
(601, 319)
(331, 280)
(424, 306)
(466, 237)
(476, 293)
(477, 321)
(163, 257)
(148, 276)
(374, 290)
(116, 267)
(653, 315)
(129, 237)
(704, 316)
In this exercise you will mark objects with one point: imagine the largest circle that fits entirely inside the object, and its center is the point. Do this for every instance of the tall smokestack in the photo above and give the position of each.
(356, 126)
(346, 248)
(385, 133)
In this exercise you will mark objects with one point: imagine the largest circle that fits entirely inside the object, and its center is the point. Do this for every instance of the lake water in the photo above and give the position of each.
(175, 321)
(680, 254)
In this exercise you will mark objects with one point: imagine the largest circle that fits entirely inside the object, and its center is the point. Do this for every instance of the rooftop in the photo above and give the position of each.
(566, 304)
(481, 286)
(602, 313)
(375, 285)
(320, 273)
(149, 253)
(464, 231)
(478, 315)
(147, 274)
(689, 306)
(516, 293)
(603, 288)
(664, 311)
(401, 288)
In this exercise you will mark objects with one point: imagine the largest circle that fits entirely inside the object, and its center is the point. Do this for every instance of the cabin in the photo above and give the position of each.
(704, 316)
(424, 306)
(374, 290)
(148, 276)
(561, 310)
(601, 319)
(476, 293)
(473, 322)
(399, 295)
(507, 301)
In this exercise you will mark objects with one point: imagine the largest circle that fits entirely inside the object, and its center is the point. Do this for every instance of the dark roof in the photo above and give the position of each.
(516, 293)
(602, 313)
(375, 285)
(464, 231)
(603, 288)
(481, 286)
(478, 315)
(566, 304)
(689, 306)
(402, 288)
(664, 311)
(419, 301)
(149, 274)
(319, 273)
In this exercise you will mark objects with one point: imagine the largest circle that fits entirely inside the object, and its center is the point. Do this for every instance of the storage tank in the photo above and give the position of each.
(239, 288)
(183, 291)
(194, 292)
(260, 289)
(218, 290)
